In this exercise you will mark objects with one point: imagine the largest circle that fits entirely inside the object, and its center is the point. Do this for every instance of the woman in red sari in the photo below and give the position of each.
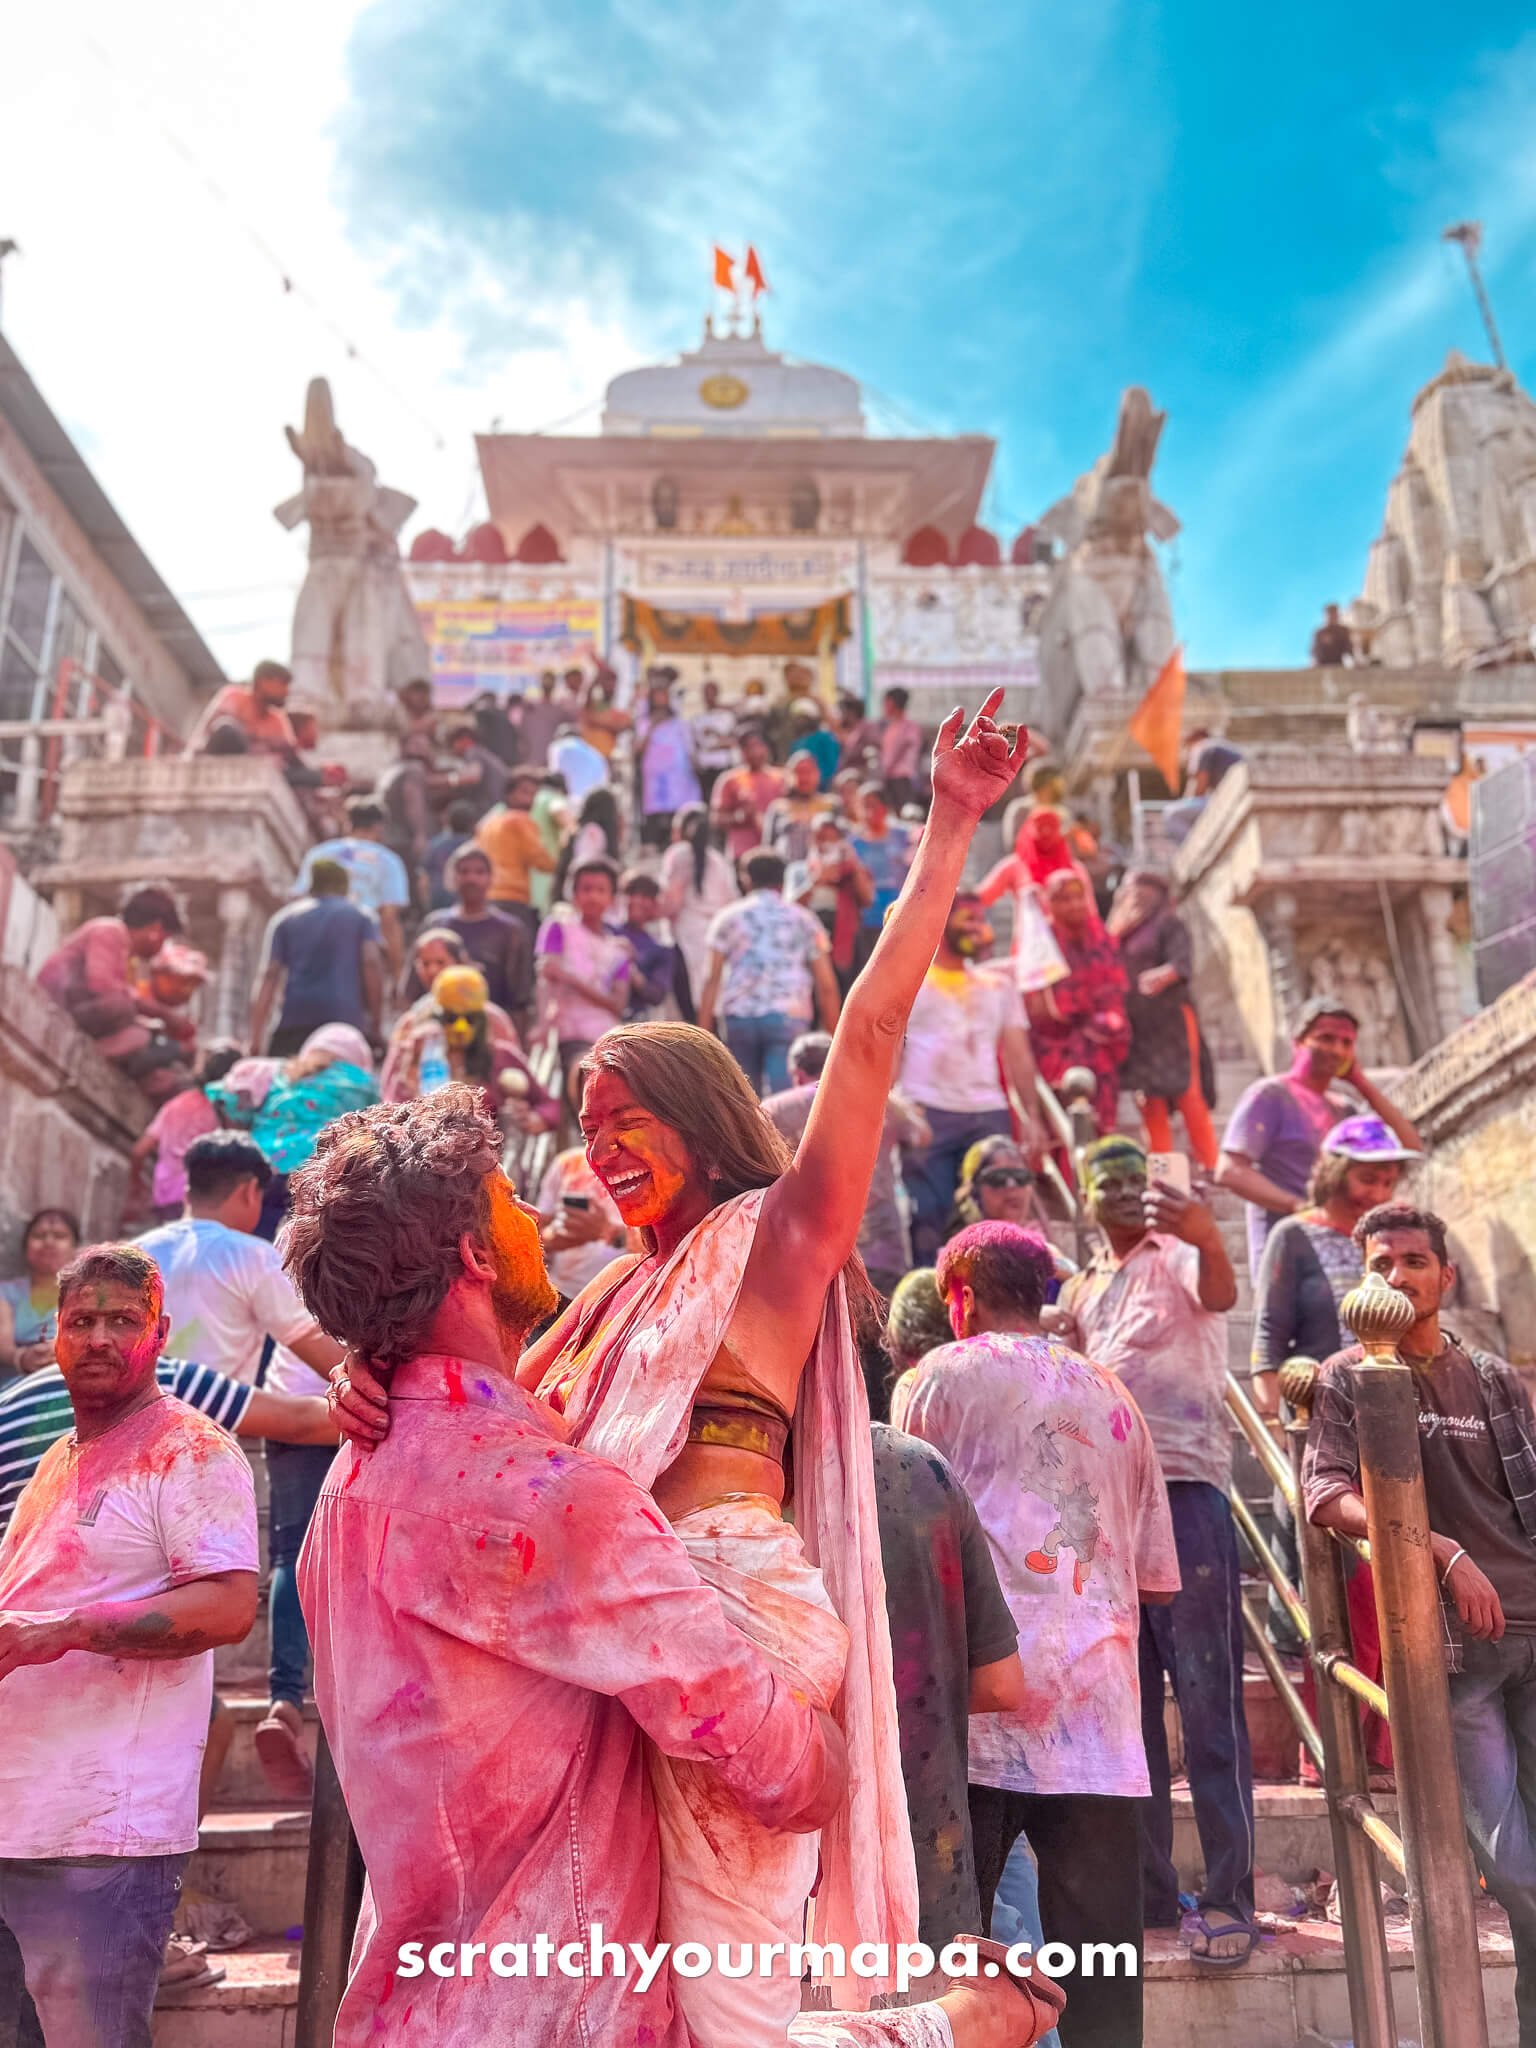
(1080, 1020)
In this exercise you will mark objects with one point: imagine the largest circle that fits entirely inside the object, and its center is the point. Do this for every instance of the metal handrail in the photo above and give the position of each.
(1428, 1849)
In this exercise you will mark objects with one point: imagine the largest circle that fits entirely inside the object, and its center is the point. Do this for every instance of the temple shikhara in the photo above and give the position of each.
(734, 513)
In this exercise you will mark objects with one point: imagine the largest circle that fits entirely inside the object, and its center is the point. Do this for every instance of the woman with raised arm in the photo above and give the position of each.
(719, 1369)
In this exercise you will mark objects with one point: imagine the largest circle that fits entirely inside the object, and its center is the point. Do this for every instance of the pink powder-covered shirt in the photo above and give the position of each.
(101, 1754)
(1059, 1463)
(187, 1116)
(901, 749)
(496, 1619)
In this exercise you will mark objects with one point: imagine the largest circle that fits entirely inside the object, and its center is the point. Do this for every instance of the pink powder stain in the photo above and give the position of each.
(522, 1548)
(1120, 1423)
(655, 1521)
(484, 1387)
(405, 1703)
(480, 1541)
(453, 1379)
(706, 1727)
(354, 1475)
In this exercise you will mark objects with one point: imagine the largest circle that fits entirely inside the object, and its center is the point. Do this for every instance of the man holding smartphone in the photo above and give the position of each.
(1151, 1305)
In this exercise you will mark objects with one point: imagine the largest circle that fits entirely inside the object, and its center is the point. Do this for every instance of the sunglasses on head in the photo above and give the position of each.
(1005, 1177)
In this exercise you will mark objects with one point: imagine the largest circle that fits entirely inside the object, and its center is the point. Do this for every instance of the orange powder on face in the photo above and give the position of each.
(518, 1251)
(646, 1208)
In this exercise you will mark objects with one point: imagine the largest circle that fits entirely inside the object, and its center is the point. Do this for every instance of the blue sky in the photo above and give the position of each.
(996, 218)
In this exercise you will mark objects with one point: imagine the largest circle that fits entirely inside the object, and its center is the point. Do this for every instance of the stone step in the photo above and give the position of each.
(1292, 1992)
(256, 2005)
(1291, 1832)
(255, 1858)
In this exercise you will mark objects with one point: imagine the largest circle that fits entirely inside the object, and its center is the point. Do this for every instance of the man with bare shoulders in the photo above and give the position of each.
(499, 1617)
(689, 1366)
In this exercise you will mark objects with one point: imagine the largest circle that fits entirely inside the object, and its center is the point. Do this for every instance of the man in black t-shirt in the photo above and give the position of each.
(1477, 1439)
(954, 1647)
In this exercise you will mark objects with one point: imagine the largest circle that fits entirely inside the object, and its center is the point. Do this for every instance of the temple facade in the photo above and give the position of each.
(734, 516)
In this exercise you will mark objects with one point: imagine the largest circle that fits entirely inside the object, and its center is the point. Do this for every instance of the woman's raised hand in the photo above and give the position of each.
(974, 765)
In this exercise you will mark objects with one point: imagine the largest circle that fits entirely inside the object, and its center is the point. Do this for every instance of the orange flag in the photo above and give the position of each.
(754, 271)
(1158, 720)
(725, 271)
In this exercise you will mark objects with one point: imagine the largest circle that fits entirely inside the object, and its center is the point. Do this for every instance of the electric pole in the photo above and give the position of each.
(1469, 233)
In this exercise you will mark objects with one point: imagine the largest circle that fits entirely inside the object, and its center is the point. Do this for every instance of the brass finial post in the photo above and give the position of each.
(1346, 1772)
(1447, 1963)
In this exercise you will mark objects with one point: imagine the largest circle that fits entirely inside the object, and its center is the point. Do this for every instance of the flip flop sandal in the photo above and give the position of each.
(1196, 1923)
(185, 1967)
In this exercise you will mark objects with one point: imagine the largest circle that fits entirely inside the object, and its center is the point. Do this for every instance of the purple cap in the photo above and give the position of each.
(1367, 1138)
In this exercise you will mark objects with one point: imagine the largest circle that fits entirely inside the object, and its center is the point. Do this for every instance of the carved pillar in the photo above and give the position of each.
(1277, 924)
(1434, 908)
(236, 965)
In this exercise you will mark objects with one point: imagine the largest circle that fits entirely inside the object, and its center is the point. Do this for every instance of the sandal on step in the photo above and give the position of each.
(1196, 1923)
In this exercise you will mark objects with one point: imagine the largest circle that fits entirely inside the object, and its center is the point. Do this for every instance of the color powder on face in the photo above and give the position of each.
(523, 1290)
(650, 1202)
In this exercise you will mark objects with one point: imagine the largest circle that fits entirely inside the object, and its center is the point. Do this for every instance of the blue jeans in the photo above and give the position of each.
(1493, 1718)
(1016, 1910)
(295, 1475)
(81, 1943)
(760, 1047)
(932, 1172)
(1198, 1641)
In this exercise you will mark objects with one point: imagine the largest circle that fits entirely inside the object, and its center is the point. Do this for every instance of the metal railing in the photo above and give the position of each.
(1428, 1849)
(86, 717)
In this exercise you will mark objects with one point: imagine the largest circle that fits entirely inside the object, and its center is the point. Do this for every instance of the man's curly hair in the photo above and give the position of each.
(375, 1218)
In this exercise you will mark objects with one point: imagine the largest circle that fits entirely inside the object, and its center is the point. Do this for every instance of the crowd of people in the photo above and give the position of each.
(790, 1236)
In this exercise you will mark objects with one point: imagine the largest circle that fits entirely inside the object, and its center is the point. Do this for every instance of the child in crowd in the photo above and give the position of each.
(175, 1124)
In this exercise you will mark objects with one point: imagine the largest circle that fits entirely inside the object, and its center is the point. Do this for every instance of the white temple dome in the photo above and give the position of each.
(734, 384)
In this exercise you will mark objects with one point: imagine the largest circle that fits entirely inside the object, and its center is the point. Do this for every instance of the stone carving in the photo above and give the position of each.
(356, 637)
(1107, 627)
(1373, 729)
(950, 620)
(1451, 578)
(1363, 981)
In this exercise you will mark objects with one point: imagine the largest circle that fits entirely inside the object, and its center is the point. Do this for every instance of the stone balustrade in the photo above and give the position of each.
(68, 1118)
(224, 833)
(1326, 874)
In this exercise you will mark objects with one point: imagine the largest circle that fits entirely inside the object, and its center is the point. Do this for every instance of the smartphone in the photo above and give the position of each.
(1171, 1168)
(576, 1201)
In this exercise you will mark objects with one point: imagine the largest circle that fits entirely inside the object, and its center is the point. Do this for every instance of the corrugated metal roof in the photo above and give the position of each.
(61, 462)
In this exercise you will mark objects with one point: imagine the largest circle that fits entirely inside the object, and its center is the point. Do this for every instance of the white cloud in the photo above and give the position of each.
(163, 337)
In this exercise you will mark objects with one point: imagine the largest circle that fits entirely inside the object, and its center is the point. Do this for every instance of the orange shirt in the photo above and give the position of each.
(514, 845)
(265, 726)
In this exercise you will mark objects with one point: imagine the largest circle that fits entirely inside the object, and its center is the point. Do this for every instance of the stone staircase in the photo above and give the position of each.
(1291, 1994)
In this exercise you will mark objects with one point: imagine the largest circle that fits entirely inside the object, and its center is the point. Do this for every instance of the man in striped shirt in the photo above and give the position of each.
(35, 1412)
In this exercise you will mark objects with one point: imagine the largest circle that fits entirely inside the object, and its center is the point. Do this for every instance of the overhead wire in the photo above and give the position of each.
(291, 286)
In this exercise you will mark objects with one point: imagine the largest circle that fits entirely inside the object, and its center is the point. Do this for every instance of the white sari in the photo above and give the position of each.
(812, 1596)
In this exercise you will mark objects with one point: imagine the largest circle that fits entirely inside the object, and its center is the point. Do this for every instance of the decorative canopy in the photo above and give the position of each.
(816, 630)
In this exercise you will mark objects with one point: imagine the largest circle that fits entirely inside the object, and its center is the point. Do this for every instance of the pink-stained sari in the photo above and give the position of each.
(812, 1597)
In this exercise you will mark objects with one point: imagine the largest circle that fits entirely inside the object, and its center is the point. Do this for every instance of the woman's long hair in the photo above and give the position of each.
(692, 827)
(600, 807)
(687, 1079)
